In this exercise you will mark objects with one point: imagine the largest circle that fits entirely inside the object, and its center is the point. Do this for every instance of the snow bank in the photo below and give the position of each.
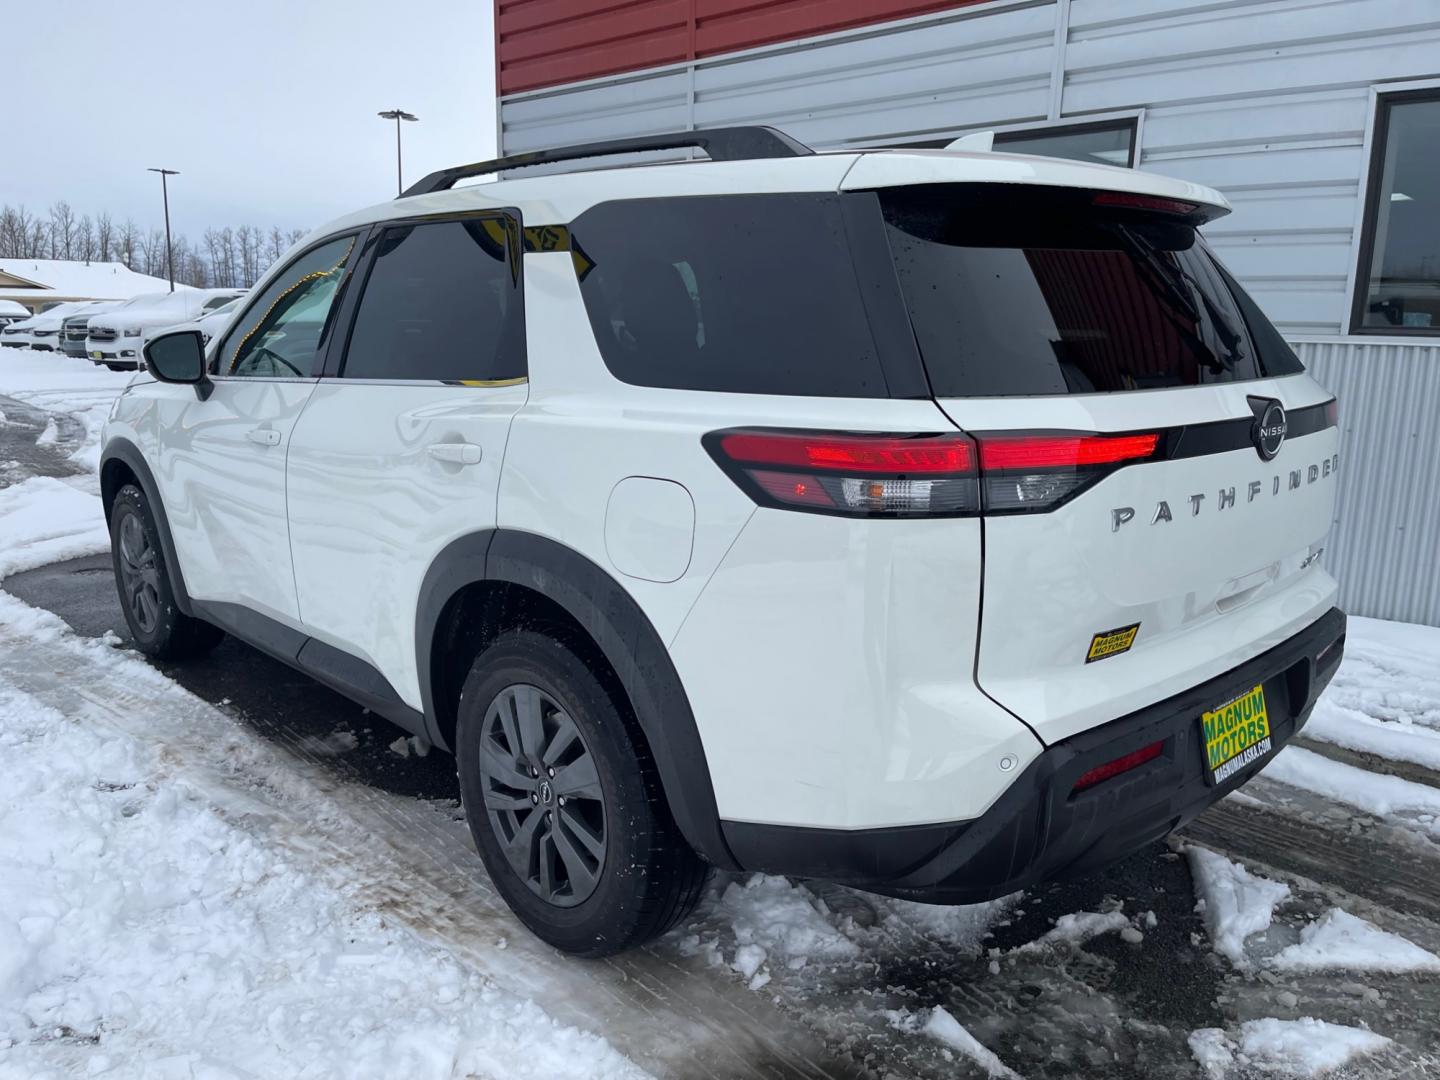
(1385, 699)
(144, 929)
(1340, 940)
(1304, 1047)
(1236, 902)
(64, 384)
(44, 520)
(1374, 793)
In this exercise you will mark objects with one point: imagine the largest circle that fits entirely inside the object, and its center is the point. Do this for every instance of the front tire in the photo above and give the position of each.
(147, 598)
(564, 802)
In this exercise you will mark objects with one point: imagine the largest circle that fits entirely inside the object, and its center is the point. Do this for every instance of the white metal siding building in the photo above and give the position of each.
(1275, 102)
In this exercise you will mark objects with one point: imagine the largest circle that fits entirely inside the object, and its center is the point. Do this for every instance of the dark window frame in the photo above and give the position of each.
(254, 296)
(349, 306)
(1080, 127)
(1374, 178)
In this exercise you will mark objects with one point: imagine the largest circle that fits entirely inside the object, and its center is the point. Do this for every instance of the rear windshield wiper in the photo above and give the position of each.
(1183, 289)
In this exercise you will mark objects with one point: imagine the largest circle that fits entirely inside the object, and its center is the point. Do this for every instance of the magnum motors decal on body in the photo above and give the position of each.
(1226, 497)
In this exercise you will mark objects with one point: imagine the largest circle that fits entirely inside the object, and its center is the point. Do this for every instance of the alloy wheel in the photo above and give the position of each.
(139, 574)
(542, 794)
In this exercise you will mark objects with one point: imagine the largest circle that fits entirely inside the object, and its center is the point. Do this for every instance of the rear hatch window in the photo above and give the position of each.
(1019, 290)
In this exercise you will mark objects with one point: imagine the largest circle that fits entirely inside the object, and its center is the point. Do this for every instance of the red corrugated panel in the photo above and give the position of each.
(549, 42)
(727, 25)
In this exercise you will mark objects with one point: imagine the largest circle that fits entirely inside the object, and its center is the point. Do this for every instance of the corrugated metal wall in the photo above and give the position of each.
(1385, 546)
(1267, 100)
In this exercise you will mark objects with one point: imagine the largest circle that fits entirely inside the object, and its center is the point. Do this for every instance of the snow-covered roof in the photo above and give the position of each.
(72, 280)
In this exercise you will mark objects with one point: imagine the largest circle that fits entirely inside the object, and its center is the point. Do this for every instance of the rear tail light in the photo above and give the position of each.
(921, 475)
(859, 474)
(1112, 769)
(1039, 472)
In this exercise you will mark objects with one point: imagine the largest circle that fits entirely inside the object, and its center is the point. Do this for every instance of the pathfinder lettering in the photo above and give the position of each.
(1296, 478)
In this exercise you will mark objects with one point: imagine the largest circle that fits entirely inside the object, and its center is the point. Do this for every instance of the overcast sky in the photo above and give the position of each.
(267, 107)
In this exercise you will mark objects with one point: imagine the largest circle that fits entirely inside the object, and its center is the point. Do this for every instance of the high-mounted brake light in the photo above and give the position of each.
(1130, 200)
(1124, 764)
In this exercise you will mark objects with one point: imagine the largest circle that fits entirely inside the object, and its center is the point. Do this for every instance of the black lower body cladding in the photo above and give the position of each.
(1041, 827)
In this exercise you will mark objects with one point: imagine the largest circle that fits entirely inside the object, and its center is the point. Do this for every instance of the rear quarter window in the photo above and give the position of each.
(750, 294)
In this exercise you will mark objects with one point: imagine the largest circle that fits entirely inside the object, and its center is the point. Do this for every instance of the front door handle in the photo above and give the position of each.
(264, 436)
(455, 453)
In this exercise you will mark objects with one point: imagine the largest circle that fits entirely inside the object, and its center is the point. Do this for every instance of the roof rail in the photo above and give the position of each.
(721, 144)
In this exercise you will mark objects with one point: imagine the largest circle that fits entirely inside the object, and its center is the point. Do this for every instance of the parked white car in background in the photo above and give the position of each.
(41, 331)
(12, 311)
(117, 340)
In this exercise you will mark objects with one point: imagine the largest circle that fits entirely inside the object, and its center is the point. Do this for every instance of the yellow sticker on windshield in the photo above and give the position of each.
(1112, 642)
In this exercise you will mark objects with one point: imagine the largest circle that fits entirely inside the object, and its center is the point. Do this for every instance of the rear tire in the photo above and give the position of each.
(564, 802)
(147, 598)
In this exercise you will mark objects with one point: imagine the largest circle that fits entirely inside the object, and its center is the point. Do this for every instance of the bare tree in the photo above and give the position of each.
(11, 233)
(153, 253)
(296, 235)
(39, 244)
(104, 231)
(62, 231)
(85, 239)
(129, 243)
(277, 245)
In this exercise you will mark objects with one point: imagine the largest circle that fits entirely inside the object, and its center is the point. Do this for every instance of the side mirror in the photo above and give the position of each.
(179, 357)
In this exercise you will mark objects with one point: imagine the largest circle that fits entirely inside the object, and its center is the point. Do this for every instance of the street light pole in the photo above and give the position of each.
(397, 115)
(165, 174)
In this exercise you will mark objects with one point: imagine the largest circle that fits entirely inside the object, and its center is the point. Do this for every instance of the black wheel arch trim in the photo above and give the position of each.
(625, 637)
(128, 454)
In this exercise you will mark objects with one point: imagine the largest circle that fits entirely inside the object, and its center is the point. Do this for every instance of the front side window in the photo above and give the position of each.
(1399, 281)
(1016, 290)
(748, 294)
(283, 330)
(441, 303)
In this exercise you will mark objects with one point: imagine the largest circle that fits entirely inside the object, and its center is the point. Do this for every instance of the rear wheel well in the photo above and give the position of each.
(114, 475)
(478, 614)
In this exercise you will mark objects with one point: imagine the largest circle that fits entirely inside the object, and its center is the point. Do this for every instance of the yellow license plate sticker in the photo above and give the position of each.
(1237, 733)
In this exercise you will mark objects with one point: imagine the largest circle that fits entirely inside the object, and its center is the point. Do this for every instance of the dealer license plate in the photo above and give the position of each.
(1236, 734)
(96, 355)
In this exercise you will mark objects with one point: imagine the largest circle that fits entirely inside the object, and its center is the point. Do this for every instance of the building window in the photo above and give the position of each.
(1104, 142)
(1398, 289)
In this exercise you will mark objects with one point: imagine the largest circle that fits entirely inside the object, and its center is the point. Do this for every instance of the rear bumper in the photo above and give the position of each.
(1037, 830)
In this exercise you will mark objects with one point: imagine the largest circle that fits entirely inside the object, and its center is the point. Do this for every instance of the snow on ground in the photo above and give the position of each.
(44, 520)
(939, 1025)
(1237, 903)
(1375, 793)
(140, 925)
(1078, 928)
(1340, 940)
(1385, 699)
(1304, 1047)
(63, 384)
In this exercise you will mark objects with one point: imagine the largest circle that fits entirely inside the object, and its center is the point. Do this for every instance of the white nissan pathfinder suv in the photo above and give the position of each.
(931, 522)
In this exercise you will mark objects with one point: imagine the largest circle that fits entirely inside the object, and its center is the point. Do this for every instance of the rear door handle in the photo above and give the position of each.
(456, 453)
(264, 436)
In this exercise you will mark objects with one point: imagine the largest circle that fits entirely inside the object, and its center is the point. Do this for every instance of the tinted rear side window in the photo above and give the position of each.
(441, 303)
(1024, 291)
(752, 294)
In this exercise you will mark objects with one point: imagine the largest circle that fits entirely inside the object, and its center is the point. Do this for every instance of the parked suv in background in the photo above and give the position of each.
(118, 339)
(665, 497)
(75, 327)
(42, 330)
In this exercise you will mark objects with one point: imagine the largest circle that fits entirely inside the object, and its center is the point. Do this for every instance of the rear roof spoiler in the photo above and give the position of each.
(721, 144)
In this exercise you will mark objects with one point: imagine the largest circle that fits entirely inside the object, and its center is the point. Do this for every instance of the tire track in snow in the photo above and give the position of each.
(407, 860)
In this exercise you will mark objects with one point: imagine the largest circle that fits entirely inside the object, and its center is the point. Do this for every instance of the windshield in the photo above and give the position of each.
(1028, 290)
